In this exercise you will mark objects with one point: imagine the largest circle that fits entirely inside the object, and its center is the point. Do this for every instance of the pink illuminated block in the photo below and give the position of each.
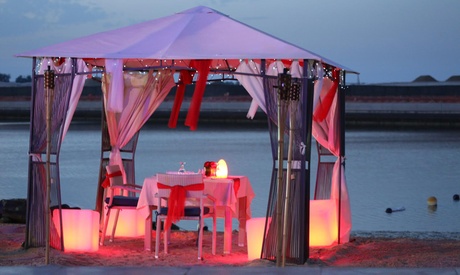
(323, 227)
(323, 222)
(255, 230)
(131, 223)
(80, 229)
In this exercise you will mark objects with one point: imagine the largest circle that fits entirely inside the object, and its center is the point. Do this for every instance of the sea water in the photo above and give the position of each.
(384, 168)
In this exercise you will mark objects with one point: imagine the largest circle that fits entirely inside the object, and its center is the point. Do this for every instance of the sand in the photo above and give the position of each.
(365, 249)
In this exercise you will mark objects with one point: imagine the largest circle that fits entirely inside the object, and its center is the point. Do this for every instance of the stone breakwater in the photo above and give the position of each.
(366, 105)
(356, 114)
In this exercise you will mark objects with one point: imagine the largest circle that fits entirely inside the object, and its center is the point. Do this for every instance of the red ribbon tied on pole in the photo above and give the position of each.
(186, 78)
(193, 114)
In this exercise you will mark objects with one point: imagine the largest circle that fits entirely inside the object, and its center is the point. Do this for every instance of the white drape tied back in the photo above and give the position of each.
(114, 67)
(36, 157)
(295, 70)
(254, 85)
(142, 93)
(318, 84)
(327, 133)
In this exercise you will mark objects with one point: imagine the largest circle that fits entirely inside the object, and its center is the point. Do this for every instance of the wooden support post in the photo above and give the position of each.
(279, 199)
(49, 94)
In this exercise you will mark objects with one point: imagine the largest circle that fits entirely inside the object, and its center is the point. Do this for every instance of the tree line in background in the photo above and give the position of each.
(19, 79)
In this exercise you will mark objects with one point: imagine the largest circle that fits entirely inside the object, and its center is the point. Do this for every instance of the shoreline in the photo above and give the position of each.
(381, 249)
(421, 235)
(421, 103)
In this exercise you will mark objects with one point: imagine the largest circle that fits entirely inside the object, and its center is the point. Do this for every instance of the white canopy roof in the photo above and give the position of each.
(197, 33)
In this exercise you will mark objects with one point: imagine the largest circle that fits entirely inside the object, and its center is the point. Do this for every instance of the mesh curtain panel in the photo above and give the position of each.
(296, 226)
(324, 173)
(36, 212)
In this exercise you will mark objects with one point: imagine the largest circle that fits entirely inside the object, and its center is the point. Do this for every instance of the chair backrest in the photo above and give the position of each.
(180, 179)
(114, 180)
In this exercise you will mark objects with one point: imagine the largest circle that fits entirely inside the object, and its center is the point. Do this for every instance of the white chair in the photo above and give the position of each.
(171, 187)
(119, 196)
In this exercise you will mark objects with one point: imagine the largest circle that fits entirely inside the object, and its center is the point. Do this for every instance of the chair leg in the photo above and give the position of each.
(200, 238)
(214, 235)
(167, 235)
(114, 225)
(104, 229)
(198, 234)
(157, 236)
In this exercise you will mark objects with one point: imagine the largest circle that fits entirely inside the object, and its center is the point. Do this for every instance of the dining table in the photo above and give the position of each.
(233, 196)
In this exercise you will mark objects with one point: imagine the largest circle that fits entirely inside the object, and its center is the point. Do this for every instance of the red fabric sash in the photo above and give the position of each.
(193, 114)
(236, 184)
(176, 202)
(186, 77)
(325, 103)
(106, 182)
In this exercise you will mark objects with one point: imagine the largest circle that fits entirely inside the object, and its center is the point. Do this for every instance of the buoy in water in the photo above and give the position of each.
(432, 201)
(456, 197)
(391, 210)
(432, 208)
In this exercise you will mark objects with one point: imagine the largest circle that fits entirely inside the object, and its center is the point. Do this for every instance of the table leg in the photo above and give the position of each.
(242, 221)
(228, 231)
(148, 233)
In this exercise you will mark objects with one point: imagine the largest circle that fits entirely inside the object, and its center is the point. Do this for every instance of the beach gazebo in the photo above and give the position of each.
(139, 64)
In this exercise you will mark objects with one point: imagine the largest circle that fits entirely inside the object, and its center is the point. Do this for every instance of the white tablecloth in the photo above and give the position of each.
(231, 201)
(223, 190)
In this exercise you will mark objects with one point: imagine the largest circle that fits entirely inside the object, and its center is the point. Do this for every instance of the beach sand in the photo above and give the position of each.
(365, 249)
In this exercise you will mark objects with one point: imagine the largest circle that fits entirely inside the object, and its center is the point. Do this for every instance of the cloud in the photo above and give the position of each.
(30, 15)
(53, 16)
(48, 17)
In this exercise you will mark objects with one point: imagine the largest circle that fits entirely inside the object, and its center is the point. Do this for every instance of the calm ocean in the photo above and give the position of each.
(384, 168)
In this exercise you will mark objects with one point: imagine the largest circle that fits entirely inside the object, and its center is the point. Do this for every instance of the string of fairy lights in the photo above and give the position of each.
(221, 69)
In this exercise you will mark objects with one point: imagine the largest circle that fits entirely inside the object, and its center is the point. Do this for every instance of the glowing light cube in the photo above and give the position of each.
(323, 222)
(323, 227)
(80, 229)
(255, 235)
(130, 223)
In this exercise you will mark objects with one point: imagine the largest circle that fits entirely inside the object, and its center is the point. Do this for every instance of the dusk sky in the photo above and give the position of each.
(386, 41)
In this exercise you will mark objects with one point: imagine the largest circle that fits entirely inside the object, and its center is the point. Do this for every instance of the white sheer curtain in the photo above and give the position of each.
(114, 67)
(339, 179)
(326, 132)
(318, 85)
(254, 85)
(77, 86)
(142, 94)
